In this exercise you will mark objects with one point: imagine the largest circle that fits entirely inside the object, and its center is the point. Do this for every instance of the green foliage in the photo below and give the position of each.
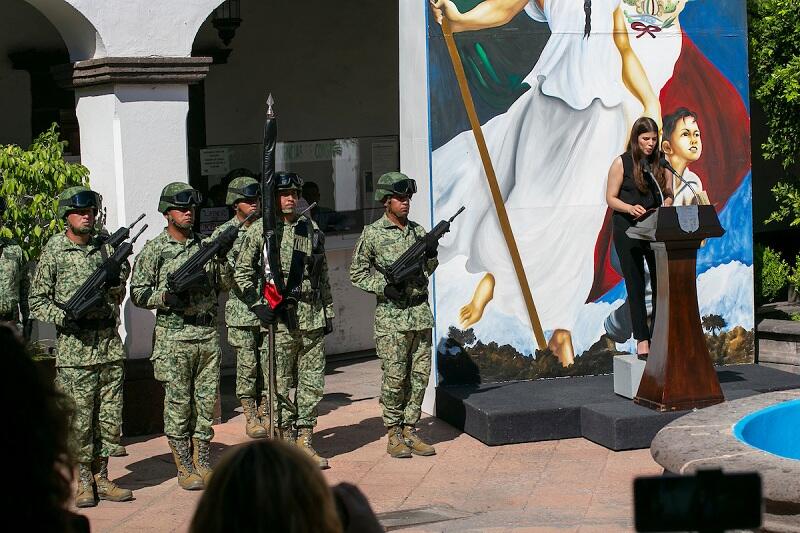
(713, 323)
(775, 81)
(31, 180)
(794, 276)
(775, 73)
(771, 273)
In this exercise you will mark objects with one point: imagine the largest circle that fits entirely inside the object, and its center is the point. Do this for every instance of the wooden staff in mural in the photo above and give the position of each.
(497, 197)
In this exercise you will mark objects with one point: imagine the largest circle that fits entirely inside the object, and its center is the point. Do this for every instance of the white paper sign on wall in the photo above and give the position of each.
(215, 161)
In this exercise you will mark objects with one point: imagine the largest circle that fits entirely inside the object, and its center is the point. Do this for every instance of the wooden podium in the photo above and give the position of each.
(679, 374)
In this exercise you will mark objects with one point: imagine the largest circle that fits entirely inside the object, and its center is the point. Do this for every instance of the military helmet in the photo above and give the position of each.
(79, 197)
(287, 181)
(394, 183)
(178, 194)
(241, 188)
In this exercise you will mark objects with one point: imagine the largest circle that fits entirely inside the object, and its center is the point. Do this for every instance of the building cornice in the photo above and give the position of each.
(132, 70)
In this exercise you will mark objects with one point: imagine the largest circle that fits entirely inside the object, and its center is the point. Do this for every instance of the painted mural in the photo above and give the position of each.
(556, 90)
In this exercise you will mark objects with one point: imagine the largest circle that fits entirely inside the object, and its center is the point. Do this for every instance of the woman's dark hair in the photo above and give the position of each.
(587, 9)
(37, 458)
(266, 486)
(645, 125)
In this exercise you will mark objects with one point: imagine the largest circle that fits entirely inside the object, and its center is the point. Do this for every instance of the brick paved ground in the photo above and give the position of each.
(568, 485)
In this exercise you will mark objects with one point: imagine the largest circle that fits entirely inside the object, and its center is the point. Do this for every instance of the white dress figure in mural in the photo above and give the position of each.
(550, 151)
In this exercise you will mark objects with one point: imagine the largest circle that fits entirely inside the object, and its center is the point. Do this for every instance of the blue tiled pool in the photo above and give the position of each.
(775, 429)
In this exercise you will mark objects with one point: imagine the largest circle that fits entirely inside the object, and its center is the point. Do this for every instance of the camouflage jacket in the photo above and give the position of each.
(14, 282)
(63, 267)
(158, 259)
(236, 311)
(381, 244)
(249, 275)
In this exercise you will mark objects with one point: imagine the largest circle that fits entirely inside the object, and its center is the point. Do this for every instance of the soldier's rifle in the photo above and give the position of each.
(92, 292)
(412, 263)
(192, 272)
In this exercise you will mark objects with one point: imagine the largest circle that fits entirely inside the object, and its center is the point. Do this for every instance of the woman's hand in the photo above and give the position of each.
(636, 211)
(445, 8)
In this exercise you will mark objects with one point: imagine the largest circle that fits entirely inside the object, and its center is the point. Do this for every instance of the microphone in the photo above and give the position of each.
(664, 163)
(649, 172)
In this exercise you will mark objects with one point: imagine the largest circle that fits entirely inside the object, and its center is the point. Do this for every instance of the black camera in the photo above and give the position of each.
(709, 501)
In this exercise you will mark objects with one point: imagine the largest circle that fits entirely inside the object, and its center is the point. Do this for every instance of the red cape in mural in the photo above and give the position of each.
(725, 124)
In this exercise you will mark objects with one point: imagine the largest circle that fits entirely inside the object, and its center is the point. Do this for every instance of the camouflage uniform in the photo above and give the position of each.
(402, 328)
(89, 356)
(13, 282)
(186, 348)
(186, 351)
(89, 360)
(300, 356)
(243, 325)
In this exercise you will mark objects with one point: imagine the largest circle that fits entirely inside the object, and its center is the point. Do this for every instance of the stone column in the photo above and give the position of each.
(132, 117)
(415, 137)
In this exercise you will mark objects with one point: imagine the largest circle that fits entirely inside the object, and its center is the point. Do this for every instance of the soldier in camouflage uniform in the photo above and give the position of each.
(89, 356)
(244, 332)
(13, 279)
(300, 355)
(186, 350)
(403, 318)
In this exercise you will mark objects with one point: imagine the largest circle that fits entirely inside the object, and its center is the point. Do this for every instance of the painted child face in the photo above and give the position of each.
(685, 142)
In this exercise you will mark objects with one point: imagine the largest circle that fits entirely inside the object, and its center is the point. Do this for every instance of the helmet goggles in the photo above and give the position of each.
(288, 180)
(249, 191)
(405, 187)
(186, 198)
(82, 200)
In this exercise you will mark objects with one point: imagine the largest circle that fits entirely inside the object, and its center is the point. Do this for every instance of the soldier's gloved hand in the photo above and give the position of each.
(225, 246)
(328, 326)
(71, 323)
(393, 292)
(264, 313)
(431, 247)
(174, 300)
(113, 275)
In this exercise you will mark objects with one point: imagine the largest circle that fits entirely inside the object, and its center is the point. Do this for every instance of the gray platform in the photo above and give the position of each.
(549, 409)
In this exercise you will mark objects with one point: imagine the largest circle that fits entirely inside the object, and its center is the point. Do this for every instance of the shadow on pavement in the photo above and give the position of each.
(157, 469)
(340, 440)
(344, 439)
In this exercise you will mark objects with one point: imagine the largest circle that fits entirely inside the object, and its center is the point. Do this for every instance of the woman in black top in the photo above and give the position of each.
(631, 192)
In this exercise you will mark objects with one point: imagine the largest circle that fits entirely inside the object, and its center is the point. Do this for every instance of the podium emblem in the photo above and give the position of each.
(688, 218)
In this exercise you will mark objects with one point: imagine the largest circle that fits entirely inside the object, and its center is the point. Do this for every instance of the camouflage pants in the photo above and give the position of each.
(249, 360)
(189, 371)
(95, 397)
(406, 363)
(300, 362)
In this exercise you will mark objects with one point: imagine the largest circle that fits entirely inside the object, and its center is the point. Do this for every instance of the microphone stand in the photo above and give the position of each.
(649, 172)
(664, 163)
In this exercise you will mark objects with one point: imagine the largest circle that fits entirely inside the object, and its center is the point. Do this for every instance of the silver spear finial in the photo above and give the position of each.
(270, 103)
